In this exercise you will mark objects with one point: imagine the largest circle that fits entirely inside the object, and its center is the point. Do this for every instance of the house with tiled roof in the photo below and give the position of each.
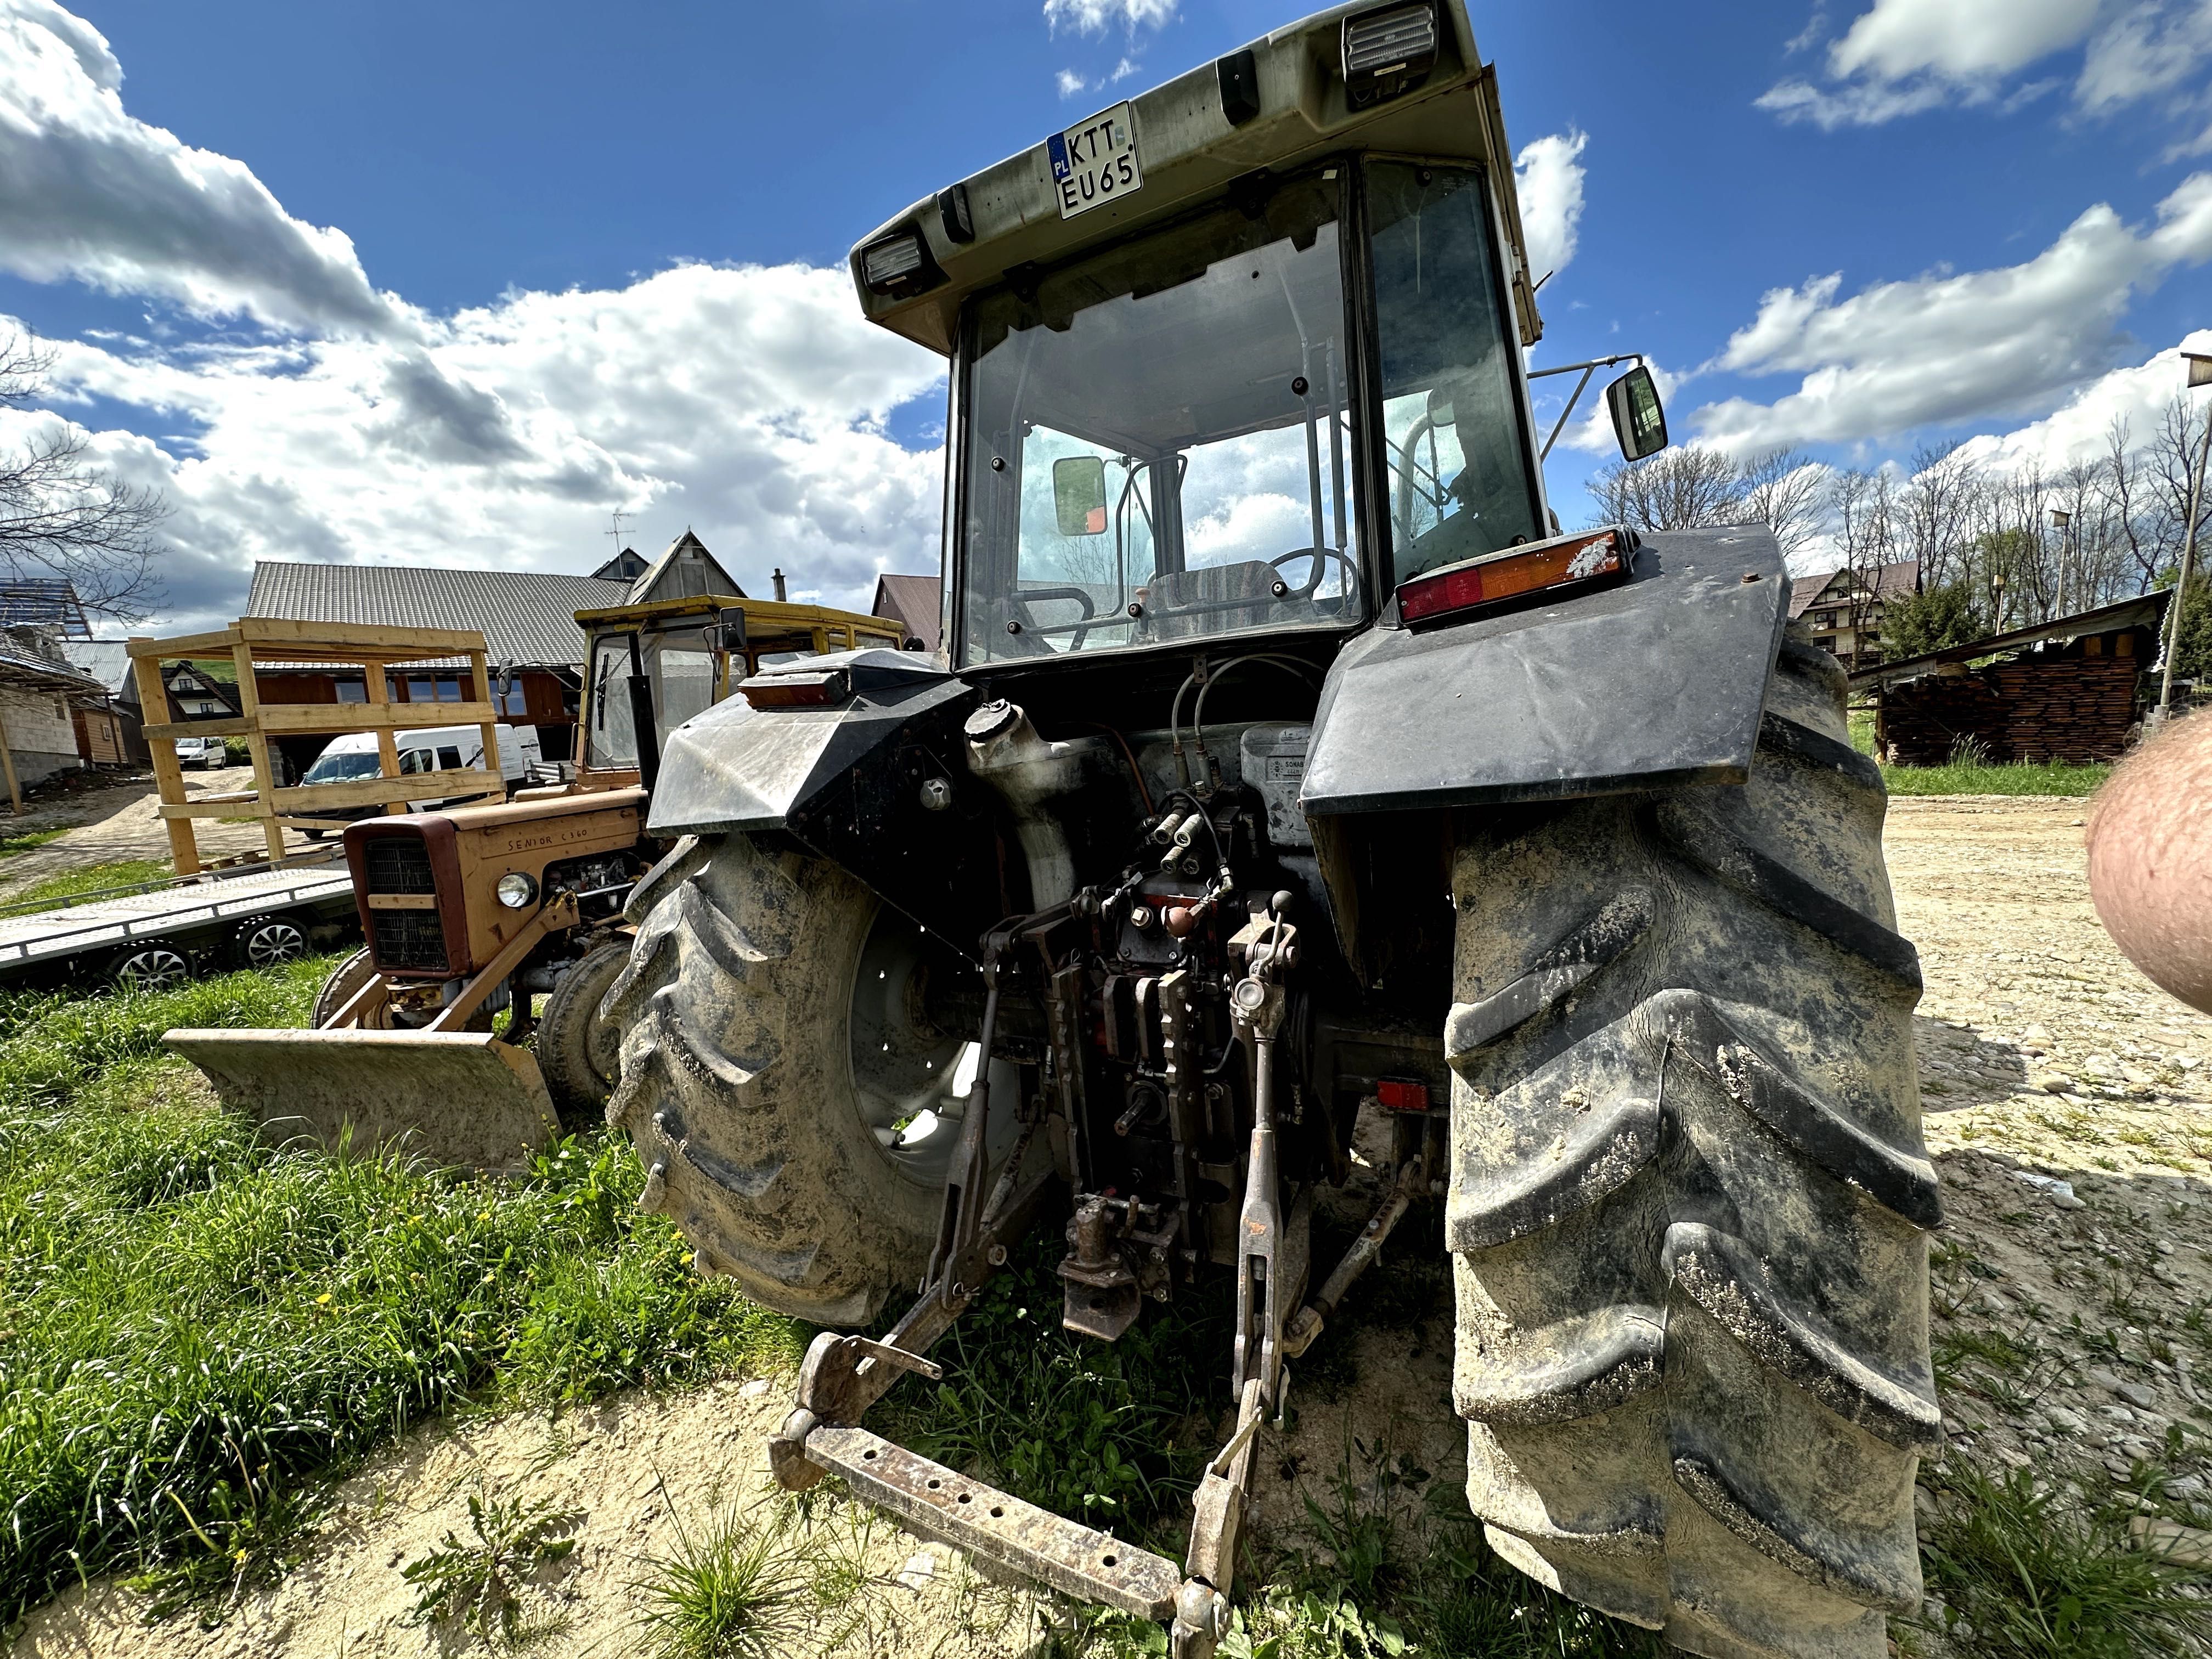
(1842, 610)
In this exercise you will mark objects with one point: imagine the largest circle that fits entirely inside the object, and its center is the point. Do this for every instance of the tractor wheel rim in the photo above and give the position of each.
(910, 1076)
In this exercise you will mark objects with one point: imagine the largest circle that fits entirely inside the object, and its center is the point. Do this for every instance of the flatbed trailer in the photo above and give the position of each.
(160, 932)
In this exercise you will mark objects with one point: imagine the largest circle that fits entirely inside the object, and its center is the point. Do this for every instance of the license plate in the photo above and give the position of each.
(1096, 162)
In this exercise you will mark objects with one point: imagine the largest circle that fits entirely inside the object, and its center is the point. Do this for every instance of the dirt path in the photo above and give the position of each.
(2063, 1326)
(123, 822)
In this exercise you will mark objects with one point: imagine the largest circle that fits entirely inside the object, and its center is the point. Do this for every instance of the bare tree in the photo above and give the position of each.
(1676, 490)
(61, 516)
(1785, 492)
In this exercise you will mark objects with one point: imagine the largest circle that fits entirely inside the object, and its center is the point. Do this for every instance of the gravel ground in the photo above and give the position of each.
(122, 821)
(2069, 1103)
(2069, 1107)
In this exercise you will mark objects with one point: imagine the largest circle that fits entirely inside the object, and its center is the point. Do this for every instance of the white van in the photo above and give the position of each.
(206, 753)
(353, 757)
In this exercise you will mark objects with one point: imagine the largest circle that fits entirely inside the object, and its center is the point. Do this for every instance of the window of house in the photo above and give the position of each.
(353, 691)
(515, 700)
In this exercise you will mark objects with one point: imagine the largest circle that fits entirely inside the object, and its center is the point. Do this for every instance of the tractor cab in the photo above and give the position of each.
(652, 666)
(1240, 356)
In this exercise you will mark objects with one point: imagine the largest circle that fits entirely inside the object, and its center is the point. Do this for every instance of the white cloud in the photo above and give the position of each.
(1070, 83)
(1094, 16)
(1547, 176)
(1952, 348)
(1906, 56)
(1959, 40)
(746, 403)
(2078, 430)
(89, 192)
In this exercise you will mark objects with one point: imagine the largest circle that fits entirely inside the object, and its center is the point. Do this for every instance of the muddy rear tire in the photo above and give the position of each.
(773, 1059)
(1690, 1199)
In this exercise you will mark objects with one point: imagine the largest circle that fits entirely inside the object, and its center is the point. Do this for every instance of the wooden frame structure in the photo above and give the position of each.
(254, 641)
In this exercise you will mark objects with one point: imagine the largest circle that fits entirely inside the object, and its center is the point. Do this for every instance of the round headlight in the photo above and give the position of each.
(516, 890)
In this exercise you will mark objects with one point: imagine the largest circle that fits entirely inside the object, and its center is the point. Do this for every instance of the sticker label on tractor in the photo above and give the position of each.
(1095, 162)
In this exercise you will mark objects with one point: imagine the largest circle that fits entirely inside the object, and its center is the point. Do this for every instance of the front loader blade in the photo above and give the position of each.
(452, 1098)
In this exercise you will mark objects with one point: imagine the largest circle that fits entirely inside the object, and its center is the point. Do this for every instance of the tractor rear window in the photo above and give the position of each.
(1157, 441)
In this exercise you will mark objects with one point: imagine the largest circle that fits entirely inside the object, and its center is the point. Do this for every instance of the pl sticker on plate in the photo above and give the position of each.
(1095, 162)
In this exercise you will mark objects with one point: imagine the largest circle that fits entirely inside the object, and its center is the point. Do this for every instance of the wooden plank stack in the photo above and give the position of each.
(2033, 708)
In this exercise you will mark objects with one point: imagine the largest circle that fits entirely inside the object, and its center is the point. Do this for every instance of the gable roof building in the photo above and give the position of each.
(527, 618)
(1843, 610)
(912, 601)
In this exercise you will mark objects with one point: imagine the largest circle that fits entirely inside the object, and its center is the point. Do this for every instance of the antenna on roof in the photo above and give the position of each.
(617, 515)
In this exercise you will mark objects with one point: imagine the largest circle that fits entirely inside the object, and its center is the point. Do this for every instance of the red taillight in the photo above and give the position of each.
(1397, 1097)
(1588, 556)
(798, 691)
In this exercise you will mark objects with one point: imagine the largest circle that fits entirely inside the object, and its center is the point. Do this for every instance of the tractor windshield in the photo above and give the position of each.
(1158, 439)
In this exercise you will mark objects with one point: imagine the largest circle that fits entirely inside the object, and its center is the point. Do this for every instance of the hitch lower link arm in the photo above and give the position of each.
(1266, 1279)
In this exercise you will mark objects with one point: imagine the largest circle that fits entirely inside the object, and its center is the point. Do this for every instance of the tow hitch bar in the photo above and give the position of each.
(843, 1376)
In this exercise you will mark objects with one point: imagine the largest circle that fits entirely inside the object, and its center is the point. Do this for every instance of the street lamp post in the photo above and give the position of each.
(2200, 374)
(2061, 521)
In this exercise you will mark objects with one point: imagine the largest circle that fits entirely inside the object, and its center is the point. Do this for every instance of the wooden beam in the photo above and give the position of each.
(336, 640)
(256, 748)
(170, 731)
(168, 776)
(375, 792)
(205, 646)
(374, 715)
(377, 686)
(8, 766)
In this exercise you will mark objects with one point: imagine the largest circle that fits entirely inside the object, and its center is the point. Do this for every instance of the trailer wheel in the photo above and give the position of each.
(1689, 1199)
(268, 942)
(154, 965)
(580, 1053)
(788, 1093)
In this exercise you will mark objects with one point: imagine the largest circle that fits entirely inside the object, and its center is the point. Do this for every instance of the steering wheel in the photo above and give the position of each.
(1020, 602)
(1320, 556)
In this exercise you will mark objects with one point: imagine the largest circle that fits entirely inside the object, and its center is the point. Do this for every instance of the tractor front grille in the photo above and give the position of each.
(409, 938)
(399, 864)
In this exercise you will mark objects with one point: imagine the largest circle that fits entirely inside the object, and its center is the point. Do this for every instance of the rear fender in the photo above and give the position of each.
(1656, 684)
(847, 784)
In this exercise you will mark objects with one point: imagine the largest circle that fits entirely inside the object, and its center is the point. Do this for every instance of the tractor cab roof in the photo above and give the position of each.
(1402, 78)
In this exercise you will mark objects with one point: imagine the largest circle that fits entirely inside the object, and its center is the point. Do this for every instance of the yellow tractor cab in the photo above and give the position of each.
(689, 654)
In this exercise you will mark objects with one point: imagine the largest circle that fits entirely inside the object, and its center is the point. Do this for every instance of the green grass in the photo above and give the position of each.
(10, 845)
(92, 878)
(1113, 1434)
(197, 1332)
(2048, 778)
(2018, 1577)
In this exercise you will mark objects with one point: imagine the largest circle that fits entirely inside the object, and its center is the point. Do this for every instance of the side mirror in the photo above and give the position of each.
(1639, 421)
(1078, 494)
(728, 633)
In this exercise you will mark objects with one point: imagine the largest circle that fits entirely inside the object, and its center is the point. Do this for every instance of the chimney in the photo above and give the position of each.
(780, 597)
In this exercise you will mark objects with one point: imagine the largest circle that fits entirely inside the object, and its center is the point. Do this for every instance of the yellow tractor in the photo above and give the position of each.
(475, 912)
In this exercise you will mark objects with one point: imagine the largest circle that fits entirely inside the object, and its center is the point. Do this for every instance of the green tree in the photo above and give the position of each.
(1933, 621)
(2192, 656)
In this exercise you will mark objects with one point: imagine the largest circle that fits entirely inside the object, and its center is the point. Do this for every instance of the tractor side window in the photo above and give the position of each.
(686, 685)
(1158, 439)
(1461, 481)
(611, 735)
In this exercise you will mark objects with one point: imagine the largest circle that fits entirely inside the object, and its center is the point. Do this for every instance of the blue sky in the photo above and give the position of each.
(444, 284)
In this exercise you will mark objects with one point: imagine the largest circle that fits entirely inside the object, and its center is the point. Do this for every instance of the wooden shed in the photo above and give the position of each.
(2066, 690)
